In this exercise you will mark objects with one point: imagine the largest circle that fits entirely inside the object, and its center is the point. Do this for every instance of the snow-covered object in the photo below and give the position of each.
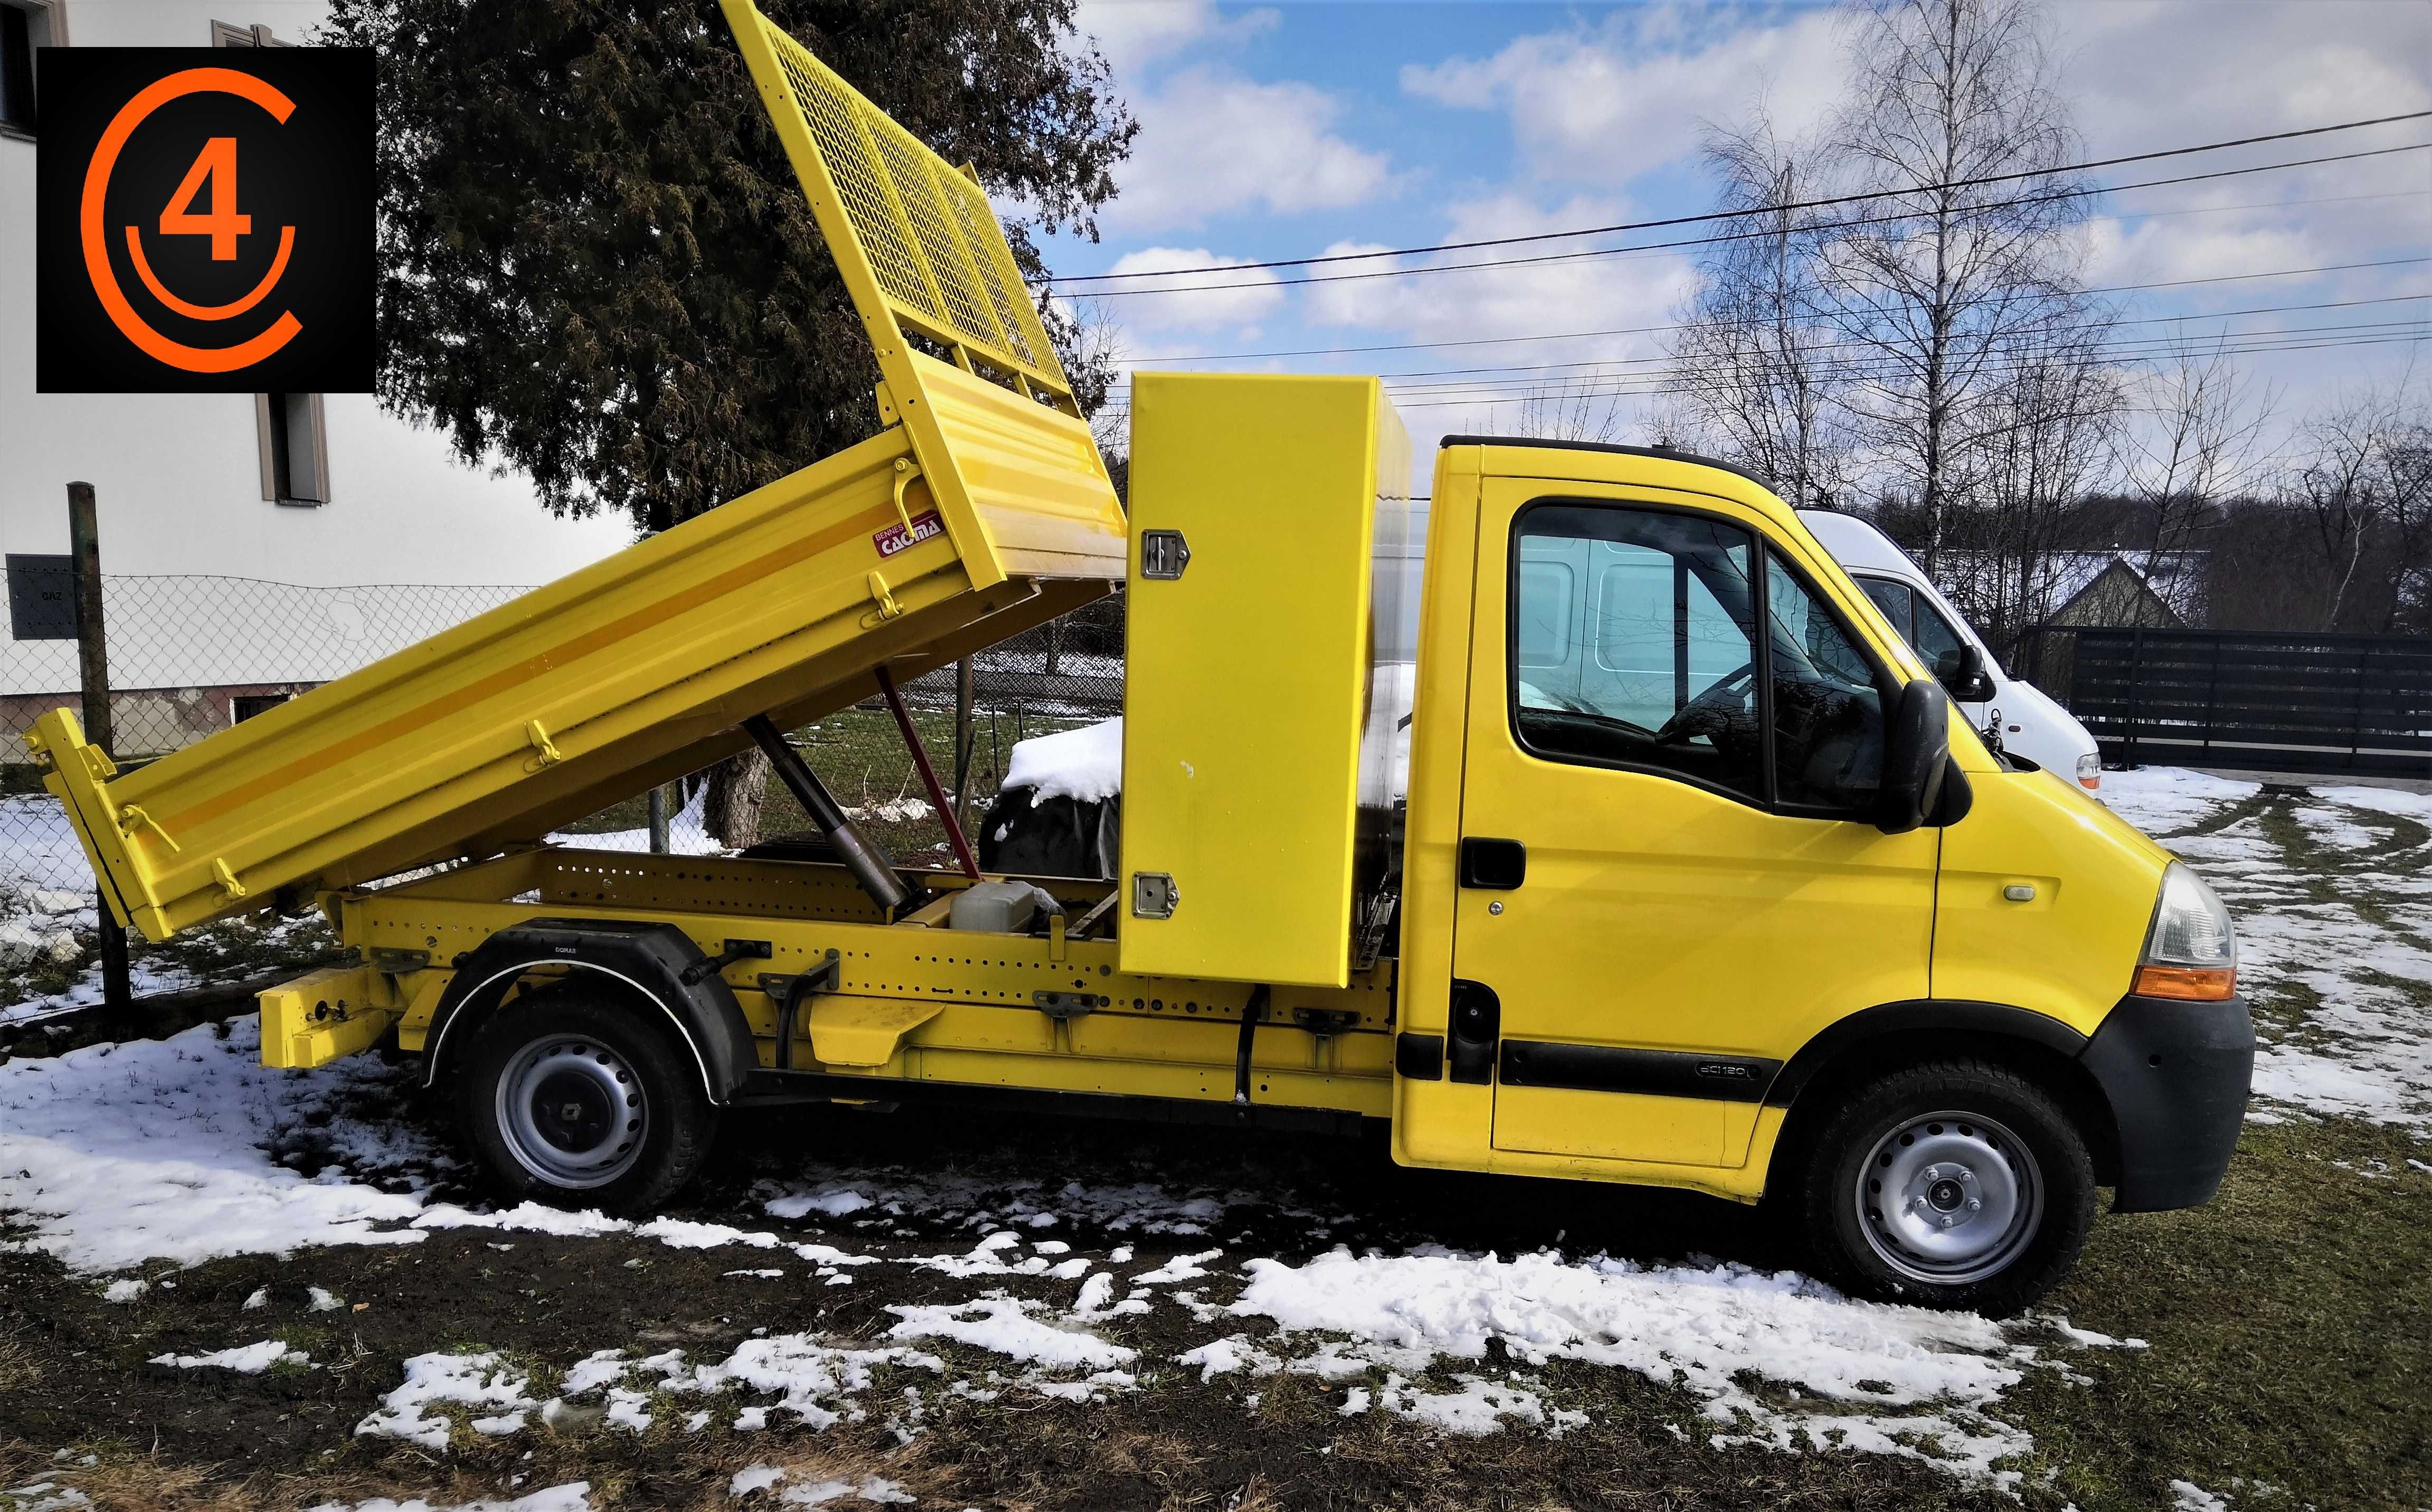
(1086, 764)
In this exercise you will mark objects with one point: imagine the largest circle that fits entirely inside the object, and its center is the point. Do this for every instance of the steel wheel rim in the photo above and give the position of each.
(1949, 1198)
(573, 1112)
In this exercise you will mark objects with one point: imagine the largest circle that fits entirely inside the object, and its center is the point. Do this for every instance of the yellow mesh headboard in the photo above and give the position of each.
(916, 241)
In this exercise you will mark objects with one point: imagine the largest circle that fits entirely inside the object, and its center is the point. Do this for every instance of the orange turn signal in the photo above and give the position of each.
(2192, 984)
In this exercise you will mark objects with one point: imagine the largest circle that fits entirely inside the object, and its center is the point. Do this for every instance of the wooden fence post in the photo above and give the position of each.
(93, 665)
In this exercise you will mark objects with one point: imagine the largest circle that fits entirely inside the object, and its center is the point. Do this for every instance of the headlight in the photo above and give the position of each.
(2192, 952)
(2090, 771)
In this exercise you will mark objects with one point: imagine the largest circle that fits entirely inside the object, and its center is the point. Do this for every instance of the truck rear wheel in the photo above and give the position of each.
(577, 1098)
(1953, 1185)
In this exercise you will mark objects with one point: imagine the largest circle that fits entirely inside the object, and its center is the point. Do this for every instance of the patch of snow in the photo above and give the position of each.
(2188, 1497)
(114, 1154)
(2159, 800)
(125, 1291)
(466, 1380)
(2406, 805)
(324, 1301)
(1701, 1326)
(1086, 764)
(574, 1496)
(1004, 1325)
(260, 1298)
(829, 1203)
(246, 1359)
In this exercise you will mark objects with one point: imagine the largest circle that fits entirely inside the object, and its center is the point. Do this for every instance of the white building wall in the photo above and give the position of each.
(178, 476)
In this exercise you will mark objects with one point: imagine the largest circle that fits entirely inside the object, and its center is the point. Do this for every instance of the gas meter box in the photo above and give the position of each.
(1262, 703)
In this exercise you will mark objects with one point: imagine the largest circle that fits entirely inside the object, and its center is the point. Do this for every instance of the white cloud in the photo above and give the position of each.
(1488, 388)
(1237, 295)
(2163, 72)
(1135, 33)
(1212, 144)
(1603, 103)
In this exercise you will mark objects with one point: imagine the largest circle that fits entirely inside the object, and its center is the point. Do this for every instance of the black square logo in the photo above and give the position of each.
(204, 220)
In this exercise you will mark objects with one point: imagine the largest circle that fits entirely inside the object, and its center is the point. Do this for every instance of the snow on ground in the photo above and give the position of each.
(2162, 800)
(173, 1149)
(185, 1149)
(2335, 950)
(114, 1154)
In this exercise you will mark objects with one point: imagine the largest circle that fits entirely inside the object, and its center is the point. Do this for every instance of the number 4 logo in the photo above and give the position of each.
(223, 225)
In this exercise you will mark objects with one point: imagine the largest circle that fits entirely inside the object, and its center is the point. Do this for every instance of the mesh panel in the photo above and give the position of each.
(829, 107)
(930, 233)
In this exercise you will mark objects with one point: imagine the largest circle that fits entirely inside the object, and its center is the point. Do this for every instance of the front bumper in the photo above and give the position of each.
(2176, 1075)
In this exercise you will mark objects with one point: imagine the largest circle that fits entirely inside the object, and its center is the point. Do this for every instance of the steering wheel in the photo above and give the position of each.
(1710, 713)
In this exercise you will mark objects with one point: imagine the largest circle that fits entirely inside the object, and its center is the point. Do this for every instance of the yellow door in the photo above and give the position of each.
(1670, 877)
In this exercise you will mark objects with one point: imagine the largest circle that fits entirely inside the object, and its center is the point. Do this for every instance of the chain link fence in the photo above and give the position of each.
(190, 655)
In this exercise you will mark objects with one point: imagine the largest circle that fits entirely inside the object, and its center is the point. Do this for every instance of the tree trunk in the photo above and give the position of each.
(737, 786)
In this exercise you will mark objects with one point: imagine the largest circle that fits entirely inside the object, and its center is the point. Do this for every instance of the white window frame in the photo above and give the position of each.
(46, 25)
(228, 34)
(276, 419)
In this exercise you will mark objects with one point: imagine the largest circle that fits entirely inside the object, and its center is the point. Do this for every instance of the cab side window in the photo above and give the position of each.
(1827, 714)
(1634, 643)
(1638, 639)
(1935, 641)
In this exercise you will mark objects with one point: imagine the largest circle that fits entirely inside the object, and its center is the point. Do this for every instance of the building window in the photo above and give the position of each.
(294, 448)
(25, 25)
(244, 707)
(227, 34)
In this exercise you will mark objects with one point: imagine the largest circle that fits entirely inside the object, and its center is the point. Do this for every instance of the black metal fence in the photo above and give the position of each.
(2256, 700)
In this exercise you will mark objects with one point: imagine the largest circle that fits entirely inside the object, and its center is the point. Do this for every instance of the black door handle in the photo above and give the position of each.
(1499, 864)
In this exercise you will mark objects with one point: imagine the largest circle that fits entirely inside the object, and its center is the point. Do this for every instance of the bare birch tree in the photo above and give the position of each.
(2193, 437)
(1751, 366)
(1931, 305)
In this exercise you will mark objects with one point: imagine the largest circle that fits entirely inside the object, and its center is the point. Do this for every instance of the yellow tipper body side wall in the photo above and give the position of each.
(1248, 679)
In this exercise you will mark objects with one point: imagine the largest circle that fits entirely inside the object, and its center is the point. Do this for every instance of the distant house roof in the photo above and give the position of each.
(2098, 588)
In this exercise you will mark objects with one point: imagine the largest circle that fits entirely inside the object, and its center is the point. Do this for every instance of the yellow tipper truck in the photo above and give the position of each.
(1627, 843)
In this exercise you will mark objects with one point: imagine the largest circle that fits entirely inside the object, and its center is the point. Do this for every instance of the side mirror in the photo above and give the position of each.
(1962, 674)
(1917, 752)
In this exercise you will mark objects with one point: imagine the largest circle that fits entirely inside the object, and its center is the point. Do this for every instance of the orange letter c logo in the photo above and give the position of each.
(96, 239)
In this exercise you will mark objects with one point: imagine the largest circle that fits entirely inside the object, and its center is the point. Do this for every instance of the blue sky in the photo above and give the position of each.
(1281, 130)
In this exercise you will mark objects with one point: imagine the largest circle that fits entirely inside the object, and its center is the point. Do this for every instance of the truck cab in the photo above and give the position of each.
(1591, 823)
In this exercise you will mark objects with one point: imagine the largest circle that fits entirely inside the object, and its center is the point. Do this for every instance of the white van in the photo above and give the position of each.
(2028, 723)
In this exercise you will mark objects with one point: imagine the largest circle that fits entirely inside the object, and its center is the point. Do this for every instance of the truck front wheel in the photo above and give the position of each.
(1949, 1184)
(577, 1098)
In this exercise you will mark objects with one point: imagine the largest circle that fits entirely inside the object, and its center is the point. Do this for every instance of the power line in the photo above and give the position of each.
(1646, 330)
(1764, 210)
(1659, 389)
(2136, 320)
(1861, 370)
(1865, 356)
(1711, 240)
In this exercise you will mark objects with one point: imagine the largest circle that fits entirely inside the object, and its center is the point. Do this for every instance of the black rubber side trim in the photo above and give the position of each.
(1418, 1057)
(650, 958)
(1927, 1015)
(2177, 1076)
(776, 1088)
(1648, 1073)
(1660, 453)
